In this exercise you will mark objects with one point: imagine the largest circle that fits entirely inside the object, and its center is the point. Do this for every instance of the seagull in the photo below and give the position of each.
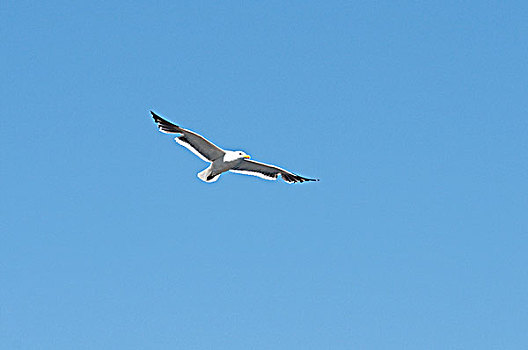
(223, 160)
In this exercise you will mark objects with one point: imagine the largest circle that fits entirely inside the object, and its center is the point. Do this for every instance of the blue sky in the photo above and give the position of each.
(413, 115)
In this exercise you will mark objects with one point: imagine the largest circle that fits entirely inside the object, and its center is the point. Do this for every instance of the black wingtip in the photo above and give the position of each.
(294, 178)
(164, 125)
(305, 179)
(155, 116)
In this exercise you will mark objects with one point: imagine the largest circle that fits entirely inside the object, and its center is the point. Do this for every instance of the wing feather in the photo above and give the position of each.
(267, 172)
(197, 144)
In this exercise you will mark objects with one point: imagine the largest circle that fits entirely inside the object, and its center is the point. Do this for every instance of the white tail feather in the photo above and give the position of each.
(204, 174)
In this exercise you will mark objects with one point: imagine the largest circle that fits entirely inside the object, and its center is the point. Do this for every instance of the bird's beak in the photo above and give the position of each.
(247, 156)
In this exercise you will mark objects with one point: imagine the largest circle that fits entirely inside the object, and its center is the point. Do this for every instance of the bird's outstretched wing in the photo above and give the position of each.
(268, 172)
(197, 144)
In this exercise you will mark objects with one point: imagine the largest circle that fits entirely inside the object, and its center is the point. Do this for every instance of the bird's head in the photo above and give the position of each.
(231, 156)
(242, 154)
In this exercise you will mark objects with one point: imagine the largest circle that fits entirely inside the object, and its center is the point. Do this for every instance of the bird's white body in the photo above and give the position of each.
(221, 165)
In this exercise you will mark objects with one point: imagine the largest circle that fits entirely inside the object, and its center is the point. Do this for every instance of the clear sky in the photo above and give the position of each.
(413, 115)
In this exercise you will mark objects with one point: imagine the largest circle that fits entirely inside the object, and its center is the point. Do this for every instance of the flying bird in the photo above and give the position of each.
(223, 160)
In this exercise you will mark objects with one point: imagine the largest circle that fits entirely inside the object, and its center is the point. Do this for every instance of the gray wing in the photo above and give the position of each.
(197, 144)
(266, 171)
